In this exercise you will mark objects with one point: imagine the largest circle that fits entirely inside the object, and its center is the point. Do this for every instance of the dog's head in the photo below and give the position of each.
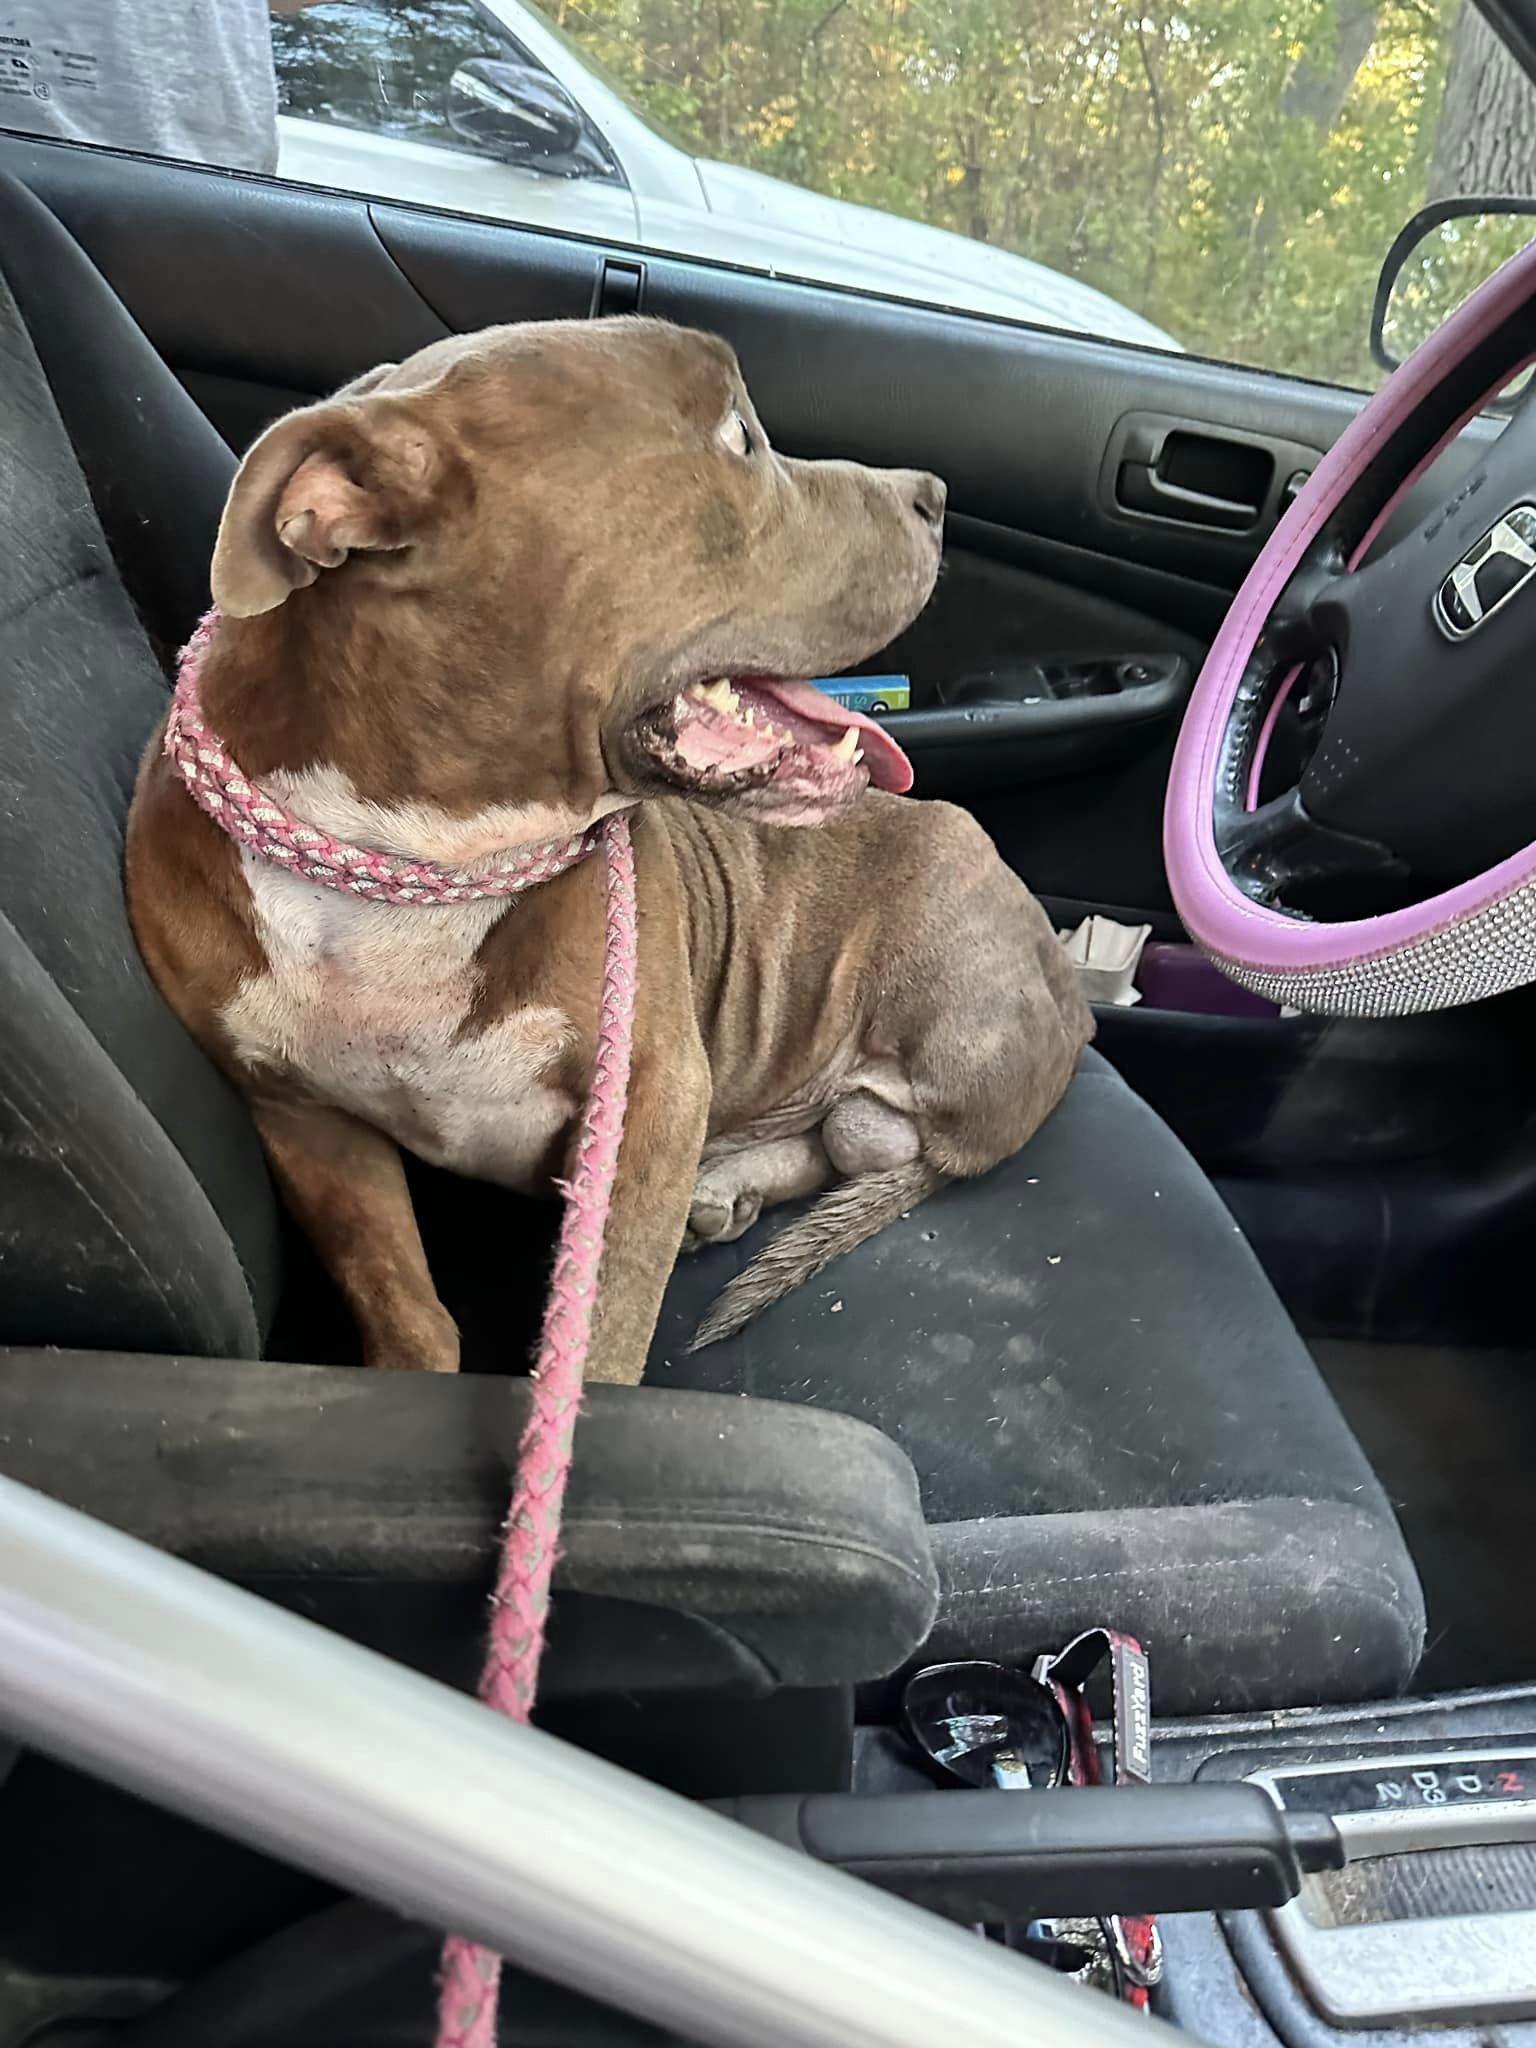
(563, 562)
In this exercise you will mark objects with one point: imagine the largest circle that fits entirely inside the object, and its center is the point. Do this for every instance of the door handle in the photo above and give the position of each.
(1163, 467)
(1143, 488)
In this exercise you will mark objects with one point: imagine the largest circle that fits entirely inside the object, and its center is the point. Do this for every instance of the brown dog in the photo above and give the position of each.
(481, 599)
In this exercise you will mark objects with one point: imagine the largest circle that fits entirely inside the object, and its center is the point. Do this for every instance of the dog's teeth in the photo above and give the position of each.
(858, 755)
(719, 696)
(847, 748)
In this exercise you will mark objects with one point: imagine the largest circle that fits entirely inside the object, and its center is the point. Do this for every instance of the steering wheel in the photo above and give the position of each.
(1401, 692)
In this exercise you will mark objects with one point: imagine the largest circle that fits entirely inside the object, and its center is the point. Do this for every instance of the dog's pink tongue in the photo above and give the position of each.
(888, 766)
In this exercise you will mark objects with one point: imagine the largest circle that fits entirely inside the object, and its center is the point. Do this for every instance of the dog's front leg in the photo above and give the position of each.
(664, 1128)
(345, 1183)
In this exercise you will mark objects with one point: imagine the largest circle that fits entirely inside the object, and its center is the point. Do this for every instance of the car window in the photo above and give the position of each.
(1220, 176)
(384, 69)
(1231, 171)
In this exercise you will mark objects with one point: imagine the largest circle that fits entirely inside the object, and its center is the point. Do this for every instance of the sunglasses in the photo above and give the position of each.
(985, 1726)
(990, 1728)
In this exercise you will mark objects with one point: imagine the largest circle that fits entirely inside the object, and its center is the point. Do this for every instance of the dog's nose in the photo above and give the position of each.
(928, 496)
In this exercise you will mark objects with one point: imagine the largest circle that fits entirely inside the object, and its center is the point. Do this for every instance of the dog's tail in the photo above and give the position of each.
(844, 1217)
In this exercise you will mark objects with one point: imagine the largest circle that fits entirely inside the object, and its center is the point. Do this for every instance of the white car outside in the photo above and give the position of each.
(666, 200)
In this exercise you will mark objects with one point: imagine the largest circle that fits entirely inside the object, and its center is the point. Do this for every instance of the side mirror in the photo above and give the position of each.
(513, 112)
(1439, 259)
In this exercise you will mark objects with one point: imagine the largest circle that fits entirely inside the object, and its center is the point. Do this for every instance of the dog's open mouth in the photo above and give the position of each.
(795, 751)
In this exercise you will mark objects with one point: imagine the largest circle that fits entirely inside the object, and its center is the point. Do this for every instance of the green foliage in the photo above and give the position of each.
(1448, 264)
(1233, 169)
(1222, 166)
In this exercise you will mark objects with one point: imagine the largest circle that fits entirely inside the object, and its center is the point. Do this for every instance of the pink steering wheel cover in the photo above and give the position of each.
(1215, 911)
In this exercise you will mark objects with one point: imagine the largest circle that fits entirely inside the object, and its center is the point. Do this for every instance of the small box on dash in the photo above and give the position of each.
(871, 694)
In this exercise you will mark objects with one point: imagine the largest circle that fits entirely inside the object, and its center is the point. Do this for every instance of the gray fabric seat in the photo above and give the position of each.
(1108, 1414)
(1108, 1411)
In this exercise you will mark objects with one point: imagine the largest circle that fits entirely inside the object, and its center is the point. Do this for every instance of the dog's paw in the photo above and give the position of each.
(720, 1214)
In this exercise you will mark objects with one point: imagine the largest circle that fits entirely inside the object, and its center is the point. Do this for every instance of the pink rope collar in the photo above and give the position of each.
(530, 1536)
(264, 826)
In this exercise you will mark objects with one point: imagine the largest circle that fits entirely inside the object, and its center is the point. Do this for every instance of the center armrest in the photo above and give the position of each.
(707, 1539)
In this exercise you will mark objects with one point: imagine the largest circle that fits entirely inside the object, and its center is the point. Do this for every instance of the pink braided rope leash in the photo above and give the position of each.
(471, 1976)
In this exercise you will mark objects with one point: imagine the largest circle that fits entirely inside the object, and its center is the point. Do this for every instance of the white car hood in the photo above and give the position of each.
(780, 224)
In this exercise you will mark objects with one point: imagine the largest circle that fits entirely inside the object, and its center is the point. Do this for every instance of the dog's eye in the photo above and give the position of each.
(739, 435)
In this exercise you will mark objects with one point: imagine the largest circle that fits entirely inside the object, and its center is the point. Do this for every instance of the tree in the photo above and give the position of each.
(1233, 169)
(1486, 139)
(1320, 93)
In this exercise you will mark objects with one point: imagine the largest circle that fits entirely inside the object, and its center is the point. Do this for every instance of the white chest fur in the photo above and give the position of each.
(372, 1005)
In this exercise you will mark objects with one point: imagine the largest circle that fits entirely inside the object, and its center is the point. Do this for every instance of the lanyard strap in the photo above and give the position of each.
(1134, 1938)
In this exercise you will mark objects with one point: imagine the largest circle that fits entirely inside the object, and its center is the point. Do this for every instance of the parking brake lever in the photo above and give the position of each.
(993, 1856)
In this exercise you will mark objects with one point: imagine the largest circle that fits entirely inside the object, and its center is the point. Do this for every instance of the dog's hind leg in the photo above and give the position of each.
(732, 1191)
(992, 1064)
(862, 1134)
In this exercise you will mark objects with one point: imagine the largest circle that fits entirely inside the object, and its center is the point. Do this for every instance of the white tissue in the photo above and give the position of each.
(1106, 956)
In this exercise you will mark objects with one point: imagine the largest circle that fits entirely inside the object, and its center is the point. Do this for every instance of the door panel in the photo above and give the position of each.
(248, 279)
(261, 295)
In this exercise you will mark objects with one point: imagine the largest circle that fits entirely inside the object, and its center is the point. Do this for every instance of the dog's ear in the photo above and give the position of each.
(370, 380)
(350, 474)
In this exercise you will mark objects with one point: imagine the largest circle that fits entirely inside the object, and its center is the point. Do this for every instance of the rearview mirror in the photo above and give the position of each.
(513, 112)
(1439, 259)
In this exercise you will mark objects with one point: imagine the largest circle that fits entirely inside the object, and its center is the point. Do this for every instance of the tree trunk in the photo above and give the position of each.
(977, 225)
(1318, 95)
(1486, 141)
(1159, 155)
